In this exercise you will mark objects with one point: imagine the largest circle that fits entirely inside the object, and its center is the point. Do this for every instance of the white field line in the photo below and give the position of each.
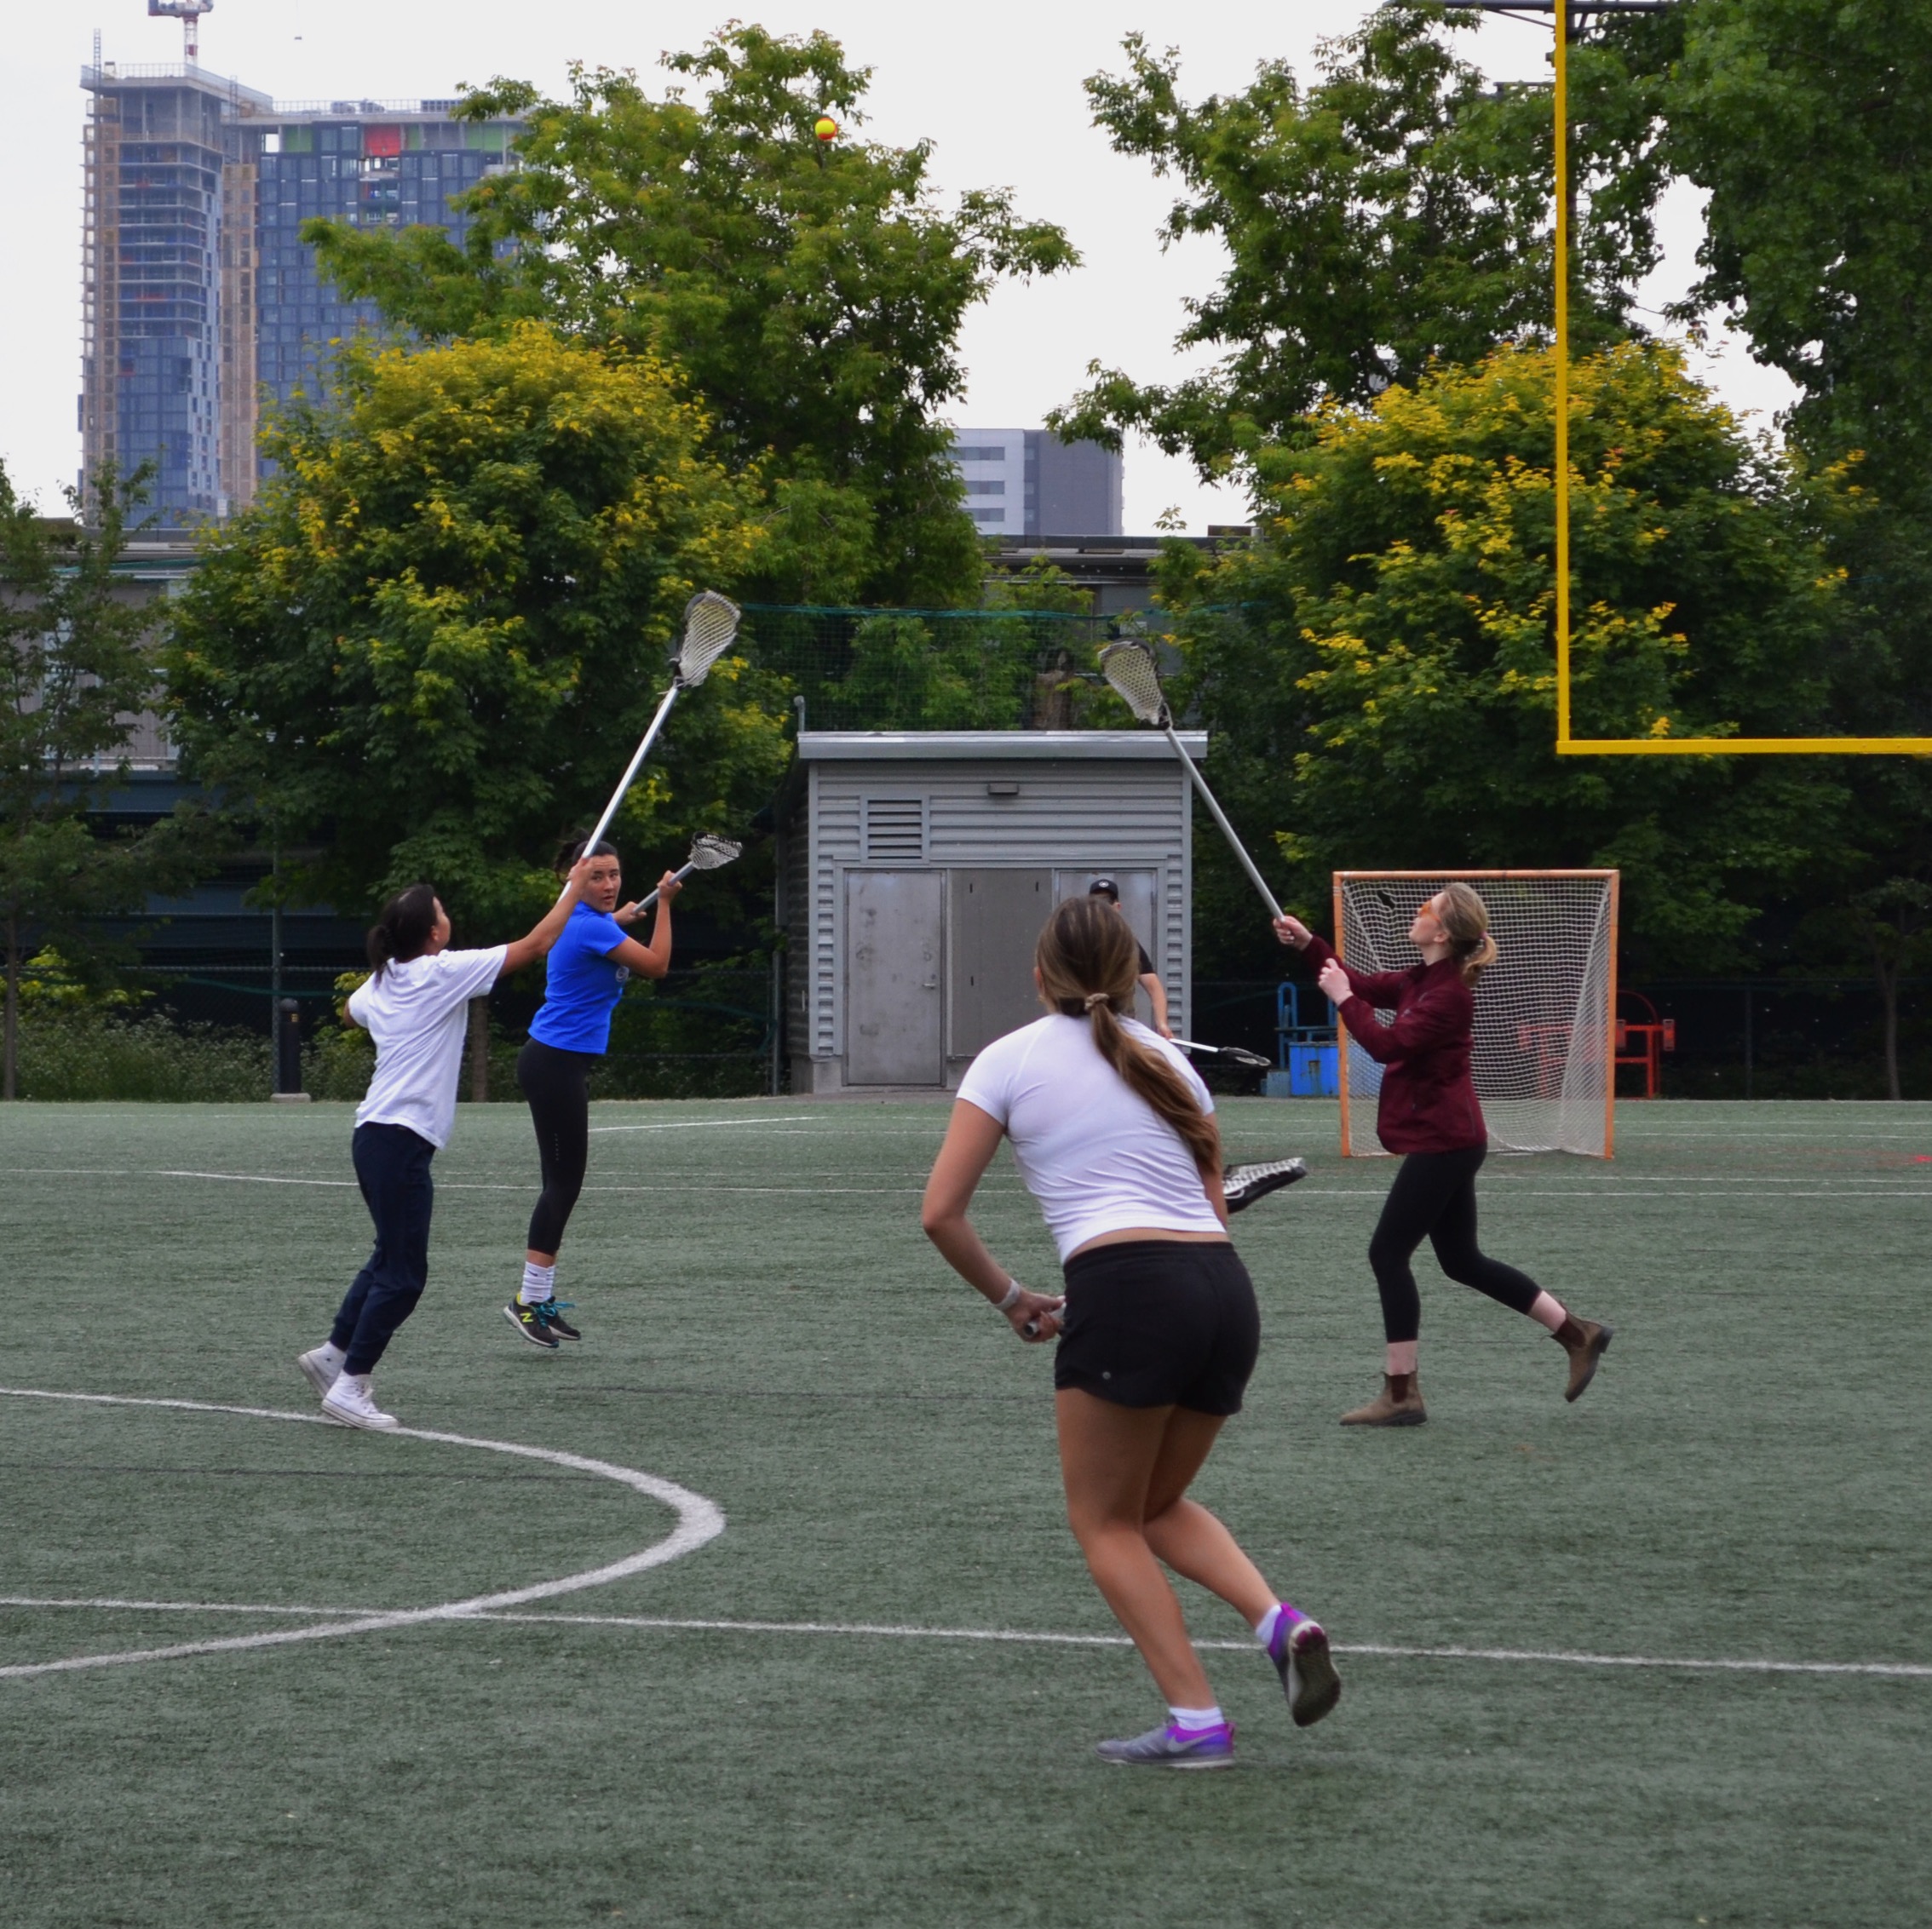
(1556, 1657)
(699, 1520)
(1605, 1189)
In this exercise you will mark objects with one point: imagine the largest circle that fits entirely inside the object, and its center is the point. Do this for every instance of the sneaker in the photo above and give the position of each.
(1308, 1673)
(1385, 1410)
(530, 1321)
(552, 1310)
(348, 1403)
(1174, 1747)
(1242, 1185)
(321, 1376)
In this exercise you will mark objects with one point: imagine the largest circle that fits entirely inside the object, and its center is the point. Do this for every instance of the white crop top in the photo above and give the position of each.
(1095, 1154)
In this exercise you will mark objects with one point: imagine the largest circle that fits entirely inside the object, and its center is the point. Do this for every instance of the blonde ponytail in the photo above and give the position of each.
(1465, 918)
(1088, 963)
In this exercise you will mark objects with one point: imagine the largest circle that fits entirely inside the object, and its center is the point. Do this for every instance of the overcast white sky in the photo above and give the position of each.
(995, 85)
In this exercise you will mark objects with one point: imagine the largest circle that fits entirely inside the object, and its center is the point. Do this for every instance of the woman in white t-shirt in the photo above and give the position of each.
(414, 1005)
(1115, 1136)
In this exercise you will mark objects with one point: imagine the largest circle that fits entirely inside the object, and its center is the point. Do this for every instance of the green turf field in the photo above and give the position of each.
(767, 1329)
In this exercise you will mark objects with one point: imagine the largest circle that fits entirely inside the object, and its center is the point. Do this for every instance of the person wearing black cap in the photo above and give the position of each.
(1149, 978)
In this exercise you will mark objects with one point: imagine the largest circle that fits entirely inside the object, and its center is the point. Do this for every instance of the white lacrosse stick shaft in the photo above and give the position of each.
(631, 769)
(679, 875)
(1221, 818)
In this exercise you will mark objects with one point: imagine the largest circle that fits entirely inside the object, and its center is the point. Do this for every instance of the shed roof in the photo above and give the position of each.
(904, 746)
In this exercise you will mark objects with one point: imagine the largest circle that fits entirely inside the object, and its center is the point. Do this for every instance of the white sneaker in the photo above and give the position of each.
(349, 1404)
(321, 1376)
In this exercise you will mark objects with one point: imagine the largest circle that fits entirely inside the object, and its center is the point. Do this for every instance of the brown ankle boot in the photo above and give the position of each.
(1585, 1341)
(1398, 1404)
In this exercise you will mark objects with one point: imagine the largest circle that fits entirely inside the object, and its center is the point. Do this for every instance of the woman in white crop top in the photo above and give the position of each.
(1115, 1137)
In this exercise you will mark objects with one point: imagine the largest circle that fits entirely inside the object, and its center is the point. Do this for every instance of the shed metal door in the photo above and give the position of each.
(993, 924)
(892, 927)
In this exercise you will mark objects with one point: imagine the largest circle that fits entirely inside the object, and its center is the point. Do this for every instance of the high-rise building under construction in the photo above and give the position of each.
(201, 302)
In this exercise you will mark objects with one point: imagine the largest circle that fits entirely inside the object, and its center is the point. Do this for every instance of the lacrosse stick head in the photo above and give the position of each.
(710, 624)
(1128, 669)
(712, 854)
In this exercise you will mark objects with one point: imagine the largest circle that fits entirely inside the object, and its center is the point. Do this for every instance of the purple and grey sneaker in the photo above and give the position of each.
(1174, 1747)
(1301, 1657)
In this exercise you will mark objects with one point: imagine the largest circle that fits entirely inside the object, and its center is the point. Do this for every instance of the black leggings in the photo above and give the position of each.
(1434, 1195)
(557, 1084)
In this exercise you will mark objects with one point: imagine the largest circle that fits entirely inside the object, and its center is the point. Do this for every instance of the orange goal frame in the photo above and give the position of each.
(1341, 929)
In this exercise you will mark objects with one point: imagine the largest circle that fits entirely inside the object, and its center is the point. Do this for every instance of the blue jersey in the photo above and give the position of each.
(582, 984)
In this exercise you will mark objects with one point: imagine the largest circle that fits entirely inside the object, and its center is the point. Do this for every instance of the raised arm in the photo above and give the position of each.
(1441, 1016)
(651, 959)
(537, 940)
(1380, 988)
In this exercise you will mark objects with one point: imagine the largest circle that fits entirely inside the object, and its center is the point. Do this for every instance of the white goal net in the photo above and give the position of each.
(1546, 1056)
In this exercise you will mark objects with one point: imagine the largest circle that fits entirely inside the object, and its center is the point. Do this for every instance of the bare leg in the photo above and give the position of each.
(1109, 1457)
(1185, 1534)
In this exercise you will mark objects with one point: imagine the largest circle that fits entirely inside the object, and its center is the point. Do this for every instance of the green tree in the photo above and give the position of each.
(79, 670)
(812, 297)
(1394, 214)
(1378, 666)
(1806, 123)
(429, 646)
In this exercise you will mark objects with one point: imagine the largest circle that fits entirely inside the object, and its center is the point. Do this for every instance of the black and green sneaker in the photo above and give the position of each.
(553, 1312)
(530, 1321)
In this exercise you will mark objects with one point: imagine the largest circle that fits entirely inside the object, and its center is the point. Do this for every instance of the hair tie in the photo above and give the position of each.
(1097, 998)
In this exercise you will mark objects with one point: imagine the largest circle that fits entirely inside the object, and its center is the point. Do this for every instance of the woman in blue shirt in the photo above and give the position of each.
(587, 968)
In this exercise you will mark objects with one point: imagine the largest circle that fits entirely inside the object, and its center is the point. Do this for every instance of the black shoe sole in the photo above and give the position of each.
(525, 1332)
(1316, 1667)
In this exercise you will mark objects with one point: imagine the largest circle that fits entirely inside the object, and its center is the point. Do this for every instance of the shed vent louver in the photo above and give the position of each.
(895, 831)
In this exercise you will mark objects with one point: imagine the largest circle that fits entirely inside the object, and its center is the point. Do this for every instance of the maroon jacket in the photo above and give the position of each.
(1428, 1100)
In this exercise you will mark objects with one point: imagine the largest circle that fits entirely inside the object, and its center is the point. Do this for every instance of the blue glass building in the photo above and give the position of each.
(201, 303)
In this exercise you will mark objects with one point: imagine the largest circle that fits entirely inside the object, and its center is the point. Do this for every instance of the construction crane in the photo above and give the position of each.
(188, 12)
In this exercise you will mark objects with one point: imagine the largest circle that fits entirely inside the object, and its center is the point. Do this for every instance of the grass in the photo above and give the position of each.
(767, 1327)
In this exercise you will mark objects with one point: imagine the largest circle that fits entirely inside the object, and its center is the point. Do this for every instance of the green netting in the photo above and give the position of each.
(938, 670)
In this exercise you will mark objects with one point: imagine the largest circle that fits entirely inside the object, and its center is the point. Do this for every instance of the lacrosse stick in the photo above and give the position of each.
(707, 853)
(710, 622)
(1234, 1055)
(1242, 1185)
(1129, 667)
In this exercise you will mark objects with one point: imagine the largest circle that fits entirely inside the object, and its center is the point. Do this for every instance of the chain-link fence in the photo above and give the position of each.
(938, 670)
(204, 1031)
(1729, 1038)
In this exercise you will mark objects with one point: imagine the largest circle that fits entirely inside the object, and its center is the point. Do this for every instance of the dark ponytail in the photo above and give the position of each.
(574, 850)
(1088, 963)
(403, 930)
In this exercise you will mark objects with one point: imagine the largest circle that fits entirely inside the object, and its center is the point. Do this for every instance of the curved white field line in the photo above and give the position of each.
(699, 1520)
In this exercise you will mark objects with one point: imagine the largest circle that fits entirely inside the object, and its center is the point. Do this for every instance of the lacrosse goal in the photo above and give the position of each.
(1545, 1052)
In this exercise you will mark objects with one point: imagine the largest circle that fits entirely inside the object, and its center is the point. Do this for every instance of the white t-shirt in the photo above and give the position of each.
(415, 1014)
(1095, 1154)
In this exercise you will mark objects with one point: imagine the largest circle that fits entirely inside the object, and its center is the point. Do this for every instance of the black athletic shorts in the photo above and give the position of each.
(1158, 1323)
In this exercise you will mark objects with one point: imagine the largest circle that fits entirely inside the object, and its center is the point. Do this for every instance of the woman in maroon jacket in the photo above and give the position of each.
(1429, 1113)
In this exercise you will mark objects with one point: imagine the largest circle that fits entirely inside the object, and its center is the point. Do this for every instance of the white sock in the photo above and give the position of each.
(539, 1284)
(1547, 1310)
(1194, 1720)
(1265, 1627)
(330, 1355)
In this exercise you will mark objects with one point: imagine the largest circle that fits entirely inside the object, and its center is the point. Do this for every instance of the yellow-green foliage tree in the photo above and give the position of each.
(429, 646)
(1378, 667)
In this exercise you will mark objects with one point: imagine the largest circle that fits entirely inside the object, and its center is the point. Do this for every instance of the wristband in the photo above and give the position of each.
(1014, 1289)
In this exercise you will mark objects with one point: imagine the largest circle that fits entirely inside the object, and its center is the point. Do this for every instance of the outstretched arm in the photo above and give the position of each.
(537, 940)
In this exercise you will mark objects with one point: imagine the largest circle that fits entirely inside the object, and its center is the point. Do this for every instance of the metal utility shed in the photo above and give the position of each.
(916, 867)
